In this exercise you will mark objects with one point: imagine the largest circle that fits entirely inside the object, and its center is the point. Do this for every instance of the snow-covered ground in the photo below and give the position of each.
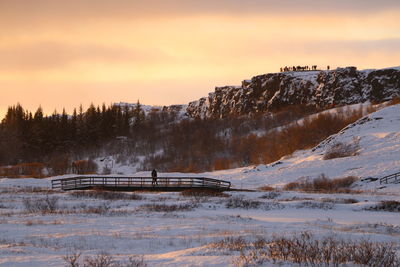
(126, 227)
(377, 134)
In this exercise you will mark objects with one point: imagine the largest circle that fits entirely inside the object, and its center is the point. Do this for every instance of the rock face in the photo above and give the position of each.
(322, 89)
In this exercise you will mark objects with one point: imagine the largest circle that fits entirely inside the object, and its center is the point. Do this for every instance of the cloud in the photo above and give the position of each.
(358, 47)
(49, 55)
(76, 10)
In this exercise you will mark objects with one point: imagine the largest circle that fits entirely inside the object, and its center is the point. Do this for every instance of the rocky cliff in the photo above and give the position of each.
(322, 89)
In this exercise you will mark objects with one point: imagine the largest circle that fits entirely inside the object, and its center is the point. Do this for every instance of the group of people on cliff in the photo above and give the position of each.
(300, 68)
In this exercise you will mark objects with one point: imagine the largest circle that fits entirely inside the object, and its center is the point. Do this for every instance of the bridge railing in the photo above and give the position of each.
(390, 179)
(81, 182)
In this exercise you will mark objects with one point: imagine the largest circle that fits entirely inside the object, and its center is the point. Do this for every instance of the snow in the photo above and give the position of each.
(379, 155)
(182, 238)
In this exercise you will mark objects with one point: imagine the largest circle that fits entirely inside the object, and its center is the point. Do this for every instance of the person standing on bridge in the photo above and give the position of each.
(154, 176)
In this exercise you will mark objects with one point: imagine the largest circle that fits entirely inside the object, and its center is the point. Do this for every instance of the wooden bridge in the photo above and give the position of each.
(125, 183)
(391, 179)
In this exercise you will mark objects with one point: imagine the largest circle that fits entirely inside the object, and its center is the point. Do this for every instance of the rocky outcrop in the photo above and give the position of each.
(322, 89)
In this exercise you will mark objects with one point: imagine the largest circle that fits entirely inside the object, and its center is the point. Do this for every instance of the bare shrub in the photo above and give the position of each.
(305, 249)
(242, 203)
(323, 184)
(266, 188)
(231, 243)
(72, 260)
(341, 150)
(345, 182)
(136, 261)
(33, 169)
(37, 222)
(340, 200)
(391, 205)
(271, 195)
(59, 164)
(315, 205)
(203, 193)
(103, 259)
(106, 171)
(106, 195)
(395, 100)
(43, 205)
(84, 166)
(101, 209)
(167, 208)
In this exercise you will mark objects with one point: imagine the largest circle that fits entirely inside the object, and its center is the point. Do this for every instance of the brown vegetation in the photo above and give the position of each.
(305, 249)
(203, 193)
(323, 184)
(34, 169)
(167, 208)
(267, 188)
(105, 195)
(84, 166)
(102, 259)
(390, 205)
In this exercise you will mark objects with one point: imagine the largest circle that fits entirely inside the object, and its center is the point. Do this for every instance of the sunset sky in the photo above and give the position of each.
(65, 53)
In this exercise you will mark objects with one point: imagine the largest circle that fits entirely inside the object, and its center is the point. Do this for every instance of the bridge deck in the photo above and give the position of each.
(126, 183)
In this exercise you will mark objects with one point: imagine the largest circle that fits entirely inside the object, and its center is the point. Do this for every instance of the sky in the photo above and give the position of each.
(60, 54)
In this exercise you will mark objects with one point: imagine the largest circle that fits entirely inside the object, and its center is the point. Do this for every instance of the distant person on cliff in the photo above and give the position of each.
(154, 176)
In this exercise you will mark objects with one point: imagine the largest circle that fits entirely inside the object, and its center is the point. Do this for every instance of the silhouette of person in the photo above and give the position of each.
(154, 176)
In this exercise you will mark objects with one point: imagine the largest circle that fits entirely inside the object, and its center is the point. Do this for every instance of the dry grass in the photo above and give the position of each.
(323, 184)
(41, 205)
(271, 195)
(231, 243)
(203, 193)
(395, 101)
(392, 206)
(167, 208)
(106, 195)
(306, 250)
(340, 200)
(266, 188)
(242, 203)
(102, 259)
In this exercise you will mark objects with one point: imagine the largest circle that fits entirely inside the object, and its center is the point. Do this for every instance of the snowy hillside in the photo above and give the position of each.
(378, 135)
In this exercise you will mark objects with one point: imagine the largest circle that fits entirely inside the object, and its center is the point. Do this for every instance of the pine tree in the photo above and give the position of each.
(138, 114)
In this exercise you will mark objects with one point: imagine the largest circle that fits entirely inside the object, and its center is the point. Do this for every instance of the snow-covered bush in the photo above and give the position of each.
(241, 202)
(43, 205)
(167, 208)
(392, 205)
(305, 249)
(341, 150)
(106, 195)
(102, 259)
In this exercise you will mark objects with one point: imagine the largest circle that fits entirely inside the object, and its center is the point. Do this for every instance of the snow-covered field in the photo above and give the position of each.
(171, 229)
(126, 227)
